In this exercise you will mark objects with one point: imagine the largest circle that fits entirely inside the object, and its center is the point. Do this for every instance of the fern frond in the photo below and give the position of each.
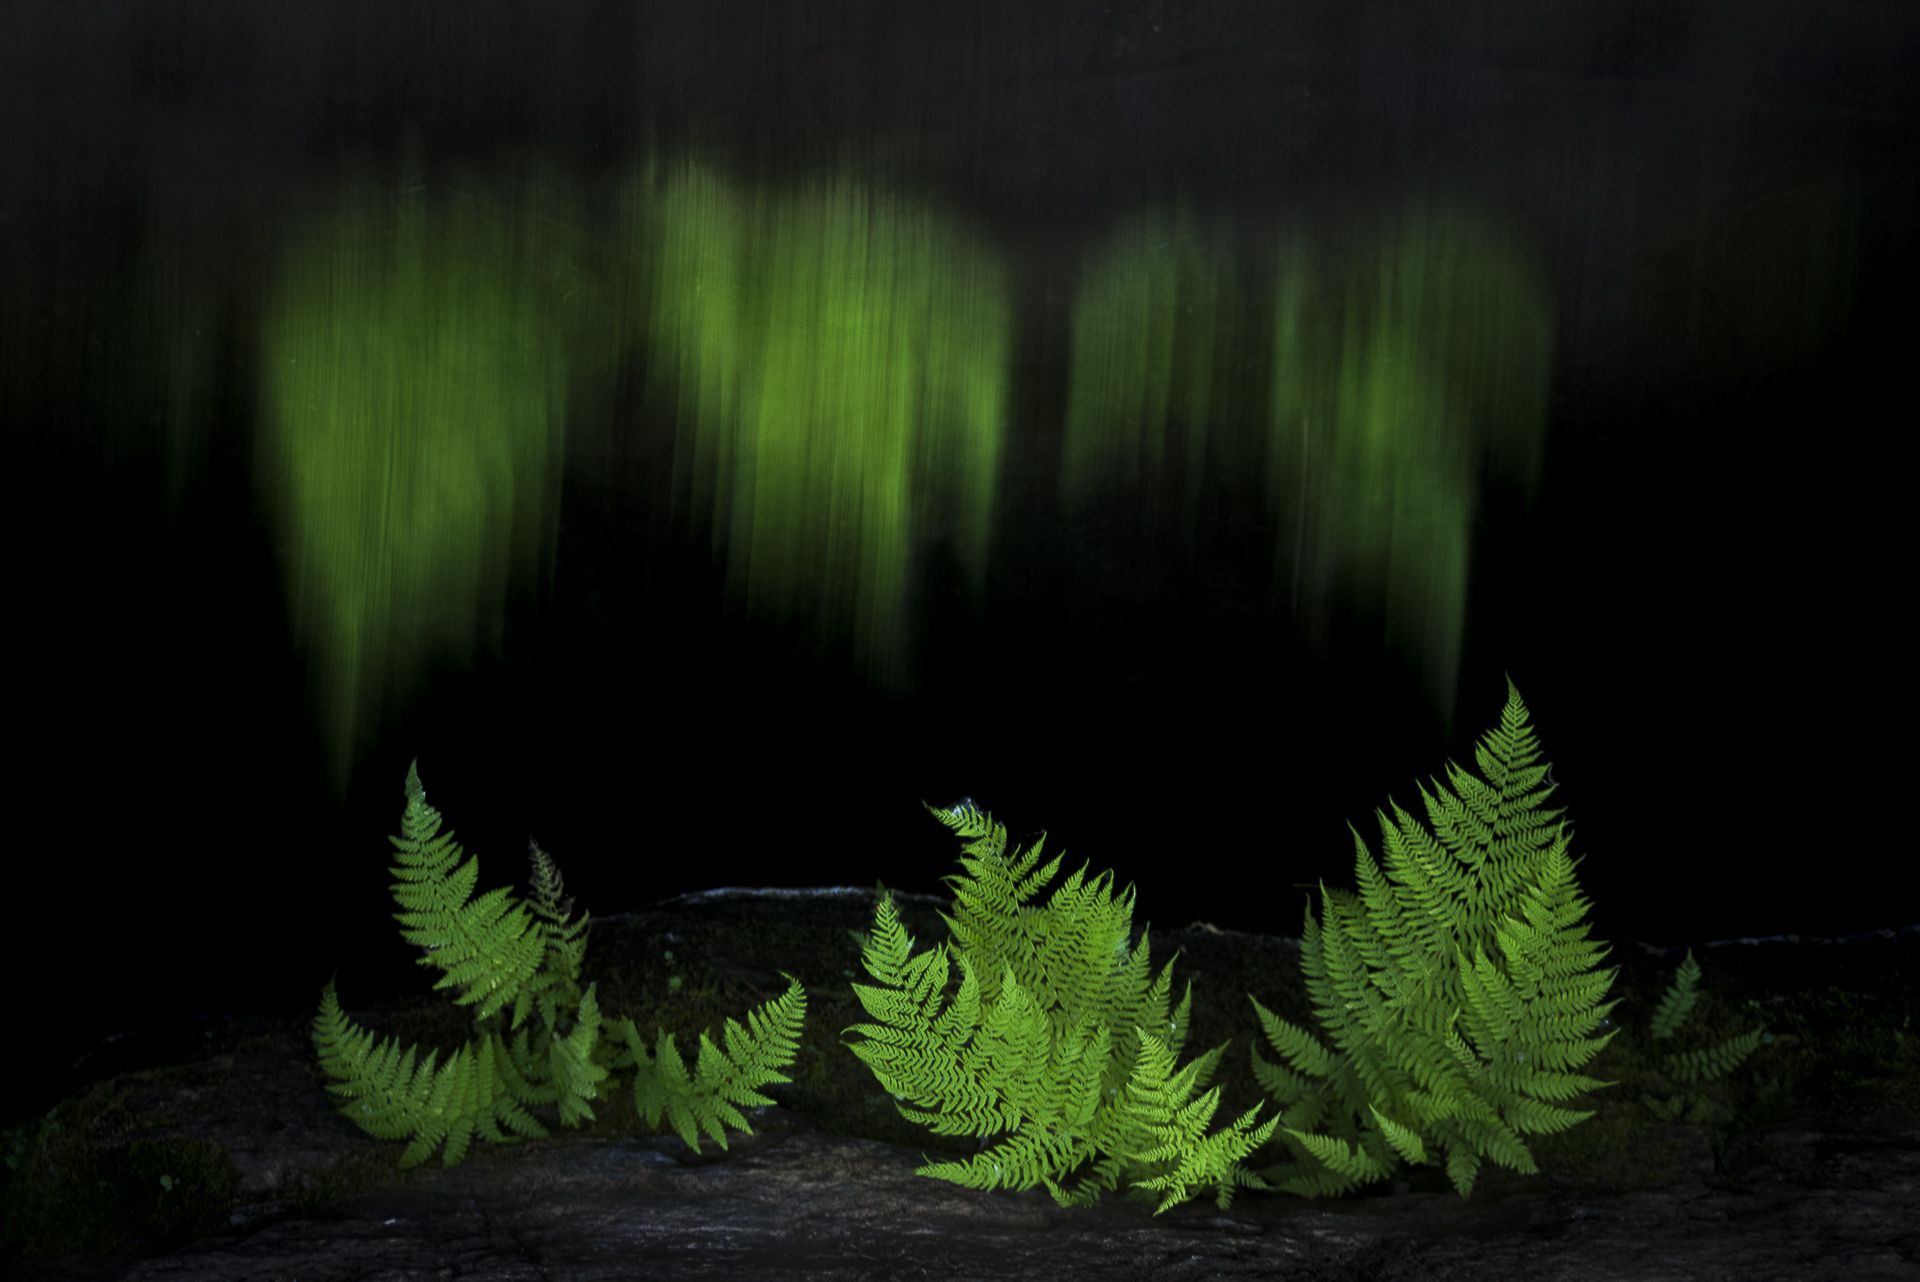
(1174, 1124)
(1677, 1003)
(390, 1094)
(1458, 988)
(1708, 1063)
(1020, 1161)
(710, 1097)
(500, 955)
(488, 948)
(1051, 1045)
(567, 940)
(576, 1077)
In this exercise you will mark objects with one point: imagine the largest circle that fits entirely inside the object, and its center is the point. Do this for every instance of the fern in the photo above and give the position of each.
(500, 954)
(1699, 1065)
(1458, 989)
(488, 947)
(1054, 1045)
(722, 1081)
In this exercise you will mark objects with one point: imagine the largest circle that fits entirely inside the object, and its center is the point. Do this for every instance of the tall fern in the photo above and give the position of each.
(1458, 990)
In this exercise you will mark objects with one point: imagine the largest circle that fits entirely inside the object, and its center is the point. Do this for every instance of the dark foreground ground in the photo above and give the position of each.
(211, 1151)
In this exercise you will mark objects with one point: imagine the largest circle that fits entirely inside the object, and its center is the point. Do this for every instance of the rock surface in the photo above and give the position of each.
(1824, 1186)
(791, 1203)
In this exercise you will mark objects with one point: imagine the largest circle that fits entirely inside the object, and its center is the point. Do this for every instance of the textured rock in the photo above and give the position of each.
(1825, 1188)
(792, 1203)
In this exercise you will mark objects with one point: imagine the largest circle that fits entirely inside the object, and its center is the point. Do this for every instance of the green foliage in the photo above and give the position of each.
(1055, 1045)
(503, 955)
(1701, 1064)
(1458, 990)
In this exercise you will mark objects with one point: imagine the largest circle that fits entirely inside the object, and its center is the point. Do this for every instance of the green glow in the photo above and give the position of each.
(1391, 378)
(411, 434)
(840, 359)
(1150, 322)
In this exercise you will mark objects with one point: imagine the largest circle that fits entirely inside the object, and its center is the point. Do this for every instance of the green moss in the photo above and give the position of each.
(77, 1187)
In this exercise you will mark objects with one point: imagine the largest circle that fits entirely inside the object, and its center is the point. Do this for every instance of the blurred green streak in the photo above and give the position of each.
(412, 430)
(1153, 322)
(1394, 374)
(839, 356)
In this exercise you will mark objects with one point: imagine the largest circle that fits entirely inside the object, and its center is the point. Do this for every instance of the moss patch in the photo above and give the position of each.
(82, 1186)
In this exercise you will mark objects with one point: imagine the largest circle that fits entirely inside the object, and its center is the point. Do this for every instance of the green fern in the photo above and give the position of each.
(501, 954)
(723, 1081)
(1458, 990)
(1697, 1066)
(488, 947)
(1055, 1046)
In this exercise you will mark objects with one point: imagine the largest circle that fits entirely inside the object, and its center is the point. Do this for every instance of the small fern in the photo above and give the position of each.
(1699, 1065)
(502, 955)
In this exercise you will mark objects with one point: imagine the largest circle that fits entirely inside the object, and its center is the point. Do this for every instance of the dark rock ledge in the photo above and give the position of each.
(1805, 1165)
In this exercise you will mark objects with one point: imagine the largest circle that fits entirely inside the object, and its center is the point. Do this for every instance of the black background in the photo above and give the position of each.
(1699, 608)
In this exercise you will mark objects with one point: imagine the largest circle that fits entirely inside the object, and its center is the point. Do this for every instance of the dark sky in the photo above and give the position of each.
(1698, 605)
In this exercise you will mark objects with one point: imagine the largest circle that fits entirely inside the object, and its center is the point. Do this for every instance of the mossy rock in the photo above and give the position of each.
(76, 1189)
